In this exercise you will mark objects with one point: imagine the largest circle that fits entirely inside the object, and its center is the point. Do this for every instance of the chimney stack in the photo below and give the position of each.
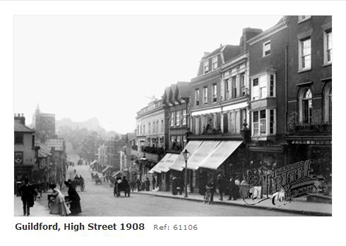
(20, 118)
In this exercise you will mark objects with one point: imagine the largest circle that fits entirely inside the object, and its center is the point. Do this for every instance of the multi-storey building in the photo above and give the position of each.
(309, 94)
(109, 155)
(290, 76)
(151, 138)
(176, 99)
(44, 125)
(218, 107)
(24, 149)
(267, 53)
(58, 166)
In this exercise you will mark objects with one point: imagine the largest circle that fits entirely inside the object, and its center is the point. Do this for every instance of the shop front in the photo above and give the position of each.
(319, 151)
(207, 158)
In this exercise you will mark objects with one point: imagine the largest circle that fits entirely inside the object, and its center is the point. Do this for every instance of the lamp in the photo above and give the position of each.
(186, 156)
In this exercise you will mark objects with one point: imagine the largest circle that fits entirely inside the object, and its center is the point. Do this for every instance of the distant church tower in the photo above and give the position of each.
(44, 125)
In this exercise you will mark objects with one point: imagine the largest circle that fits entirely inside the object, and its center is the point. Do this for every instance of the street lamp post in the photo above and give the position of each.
(186, 156)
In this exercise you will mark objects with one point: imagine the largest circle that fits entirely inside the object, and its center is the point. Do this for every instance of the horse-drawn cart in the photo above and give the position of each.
(121, 185)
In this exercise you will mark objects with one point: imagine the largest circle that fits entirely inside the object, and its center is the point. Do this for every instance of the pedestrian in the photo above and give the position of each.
(74, 199)
(28, 197)
(147, 184)
(138, 183)
(221, 184)
(154, 183)
(59, 205)
(211, 186)
(232, 189)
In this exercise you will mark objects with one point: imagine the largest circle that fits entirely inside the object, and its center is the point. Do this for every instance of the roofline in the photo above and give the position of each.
(274, 29)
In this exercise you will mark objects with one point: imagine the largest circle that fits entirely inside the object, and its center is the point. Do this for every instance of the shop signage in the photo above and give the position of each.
(289, 181)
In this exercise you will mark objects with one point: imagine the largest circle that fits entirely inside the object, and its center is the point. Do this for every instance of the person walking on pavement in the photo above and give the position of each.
(211, 186)
(28, 197)
(154, 183)
(74, 199)
(147, 184)
(221, 184)
(232, 189)
(138, 183)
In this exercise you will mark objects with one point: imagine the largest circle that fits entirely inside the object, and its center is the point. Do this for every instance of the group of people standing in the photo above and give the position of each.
(58, 202)
(222, 184)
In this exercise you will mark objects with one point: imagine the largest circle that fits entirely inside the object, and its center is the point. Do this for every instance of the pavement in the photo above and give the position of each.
(297, 206)
(38, 210)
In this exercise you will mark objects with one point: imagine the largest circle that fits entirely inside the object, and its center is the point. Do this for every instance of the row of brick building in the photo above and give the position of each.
(39, 154)
(261, 105)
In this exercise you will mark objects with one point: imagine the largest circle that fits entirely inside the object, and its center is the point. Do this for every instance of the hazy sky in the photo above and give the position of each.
(109, 66)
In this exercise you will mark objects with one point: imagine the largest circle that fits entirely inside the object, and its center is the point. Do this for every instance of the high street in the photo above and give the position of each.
(98, 200)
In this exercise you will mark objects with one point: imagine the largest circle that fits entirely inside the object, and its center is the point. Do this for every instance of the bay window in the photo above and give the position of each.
(263, 122)
(263, 86)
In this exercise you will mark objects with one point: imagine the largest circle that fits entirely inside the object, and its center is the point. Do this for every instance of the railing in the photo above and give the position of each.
(321, 128)
(152, 150)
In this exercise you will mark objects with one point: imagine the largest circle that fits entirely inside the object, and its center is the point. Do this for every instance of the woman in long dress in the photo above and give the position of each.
(74, 198)
(59, 206)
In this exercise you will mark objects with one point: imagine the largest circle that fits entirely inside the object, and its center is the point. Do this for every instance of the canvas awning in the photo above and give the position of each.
(206, 148)
(168, 163)
(220, 154)
(156, 168)
(191, 147)
(93, 163)
(116, 174)
(104, 170)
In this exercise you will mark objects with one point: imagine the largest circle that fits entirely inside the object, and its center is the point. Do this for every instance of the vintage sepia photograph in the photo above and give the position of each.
(172, 115)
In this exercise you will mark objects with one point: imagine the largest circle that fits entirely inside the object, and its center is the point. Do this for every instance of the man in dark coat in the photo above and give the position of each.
(221, 184)
(28, 197)
(232, 189)
(211, 186)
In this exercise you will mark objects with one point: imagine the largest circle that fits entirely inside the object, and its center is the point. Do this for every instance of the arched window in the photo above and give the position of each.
(306, 106)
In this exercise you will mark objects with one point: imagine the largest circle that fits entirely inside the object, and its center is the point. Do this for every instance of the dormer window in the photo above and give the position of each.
(214, 62)
(206, 66)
